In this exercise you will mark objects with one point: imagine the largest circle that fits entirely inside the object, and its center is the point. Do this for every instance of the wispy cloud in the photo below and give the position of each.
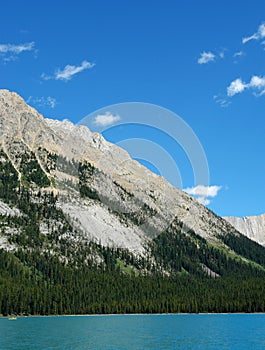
(106, 119)
(222, 100)
(210, 56)
(206, 57)
(238, 54)
(16, 49)
(258, 94)
(203, 200)
(222, 54)
(256, 84)
(11, 58)
(10, 52)
(202, 193)
(42, 101)
(46, 77)
(259, 35)
(68, 71)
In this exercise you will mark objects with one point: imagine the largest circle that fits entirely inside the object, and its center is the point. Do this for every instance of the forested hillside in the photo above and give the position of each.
(86, 229)
(57, 272)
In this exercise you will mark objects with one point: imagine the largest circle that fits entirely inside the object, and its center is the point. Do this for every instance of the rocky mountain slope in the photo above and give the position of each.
(84, 229)
(251, 226)
(133, 204)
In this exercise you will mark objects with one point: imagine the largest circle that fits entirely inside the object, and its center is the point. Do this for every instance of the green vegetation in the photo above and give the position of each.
(32, 171)
(8, 179)
(41, 284)
(244, 246)
(85, 175)
(53, 270)
(86, 191)
(176, 251)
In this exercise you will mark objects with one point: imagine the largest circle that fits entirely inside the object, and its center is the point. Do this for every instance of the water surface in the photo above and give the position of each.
(236, 331)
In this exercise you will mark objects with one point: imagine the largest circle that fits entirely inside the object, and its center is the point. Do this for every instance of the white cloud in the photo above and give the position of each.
(10, 52)
(10, 58)
(203, 200)
(222, 101)
(252, 37)
(43, 101)
(106, 119)
(256, 83)
(46, 77)
(236, 87)
(259, 35)
(206, 57)
(258, 94)
(201, 193)
(68, 71)
(16, 49)
(238, 54)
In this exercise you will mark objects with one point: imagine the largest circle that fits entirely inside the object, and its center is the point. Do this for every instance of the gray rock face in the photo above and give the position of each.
(251, 226)
(134, 204)
(6, 210)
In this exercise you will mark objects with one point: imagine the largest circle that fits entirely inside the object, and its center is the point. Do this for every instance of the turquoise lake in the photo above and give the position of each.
(236, 331)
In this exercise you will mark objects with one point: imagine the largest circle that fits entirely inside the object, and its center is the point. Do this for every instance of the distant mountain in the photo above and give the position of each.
(86, 229)
(251, 226)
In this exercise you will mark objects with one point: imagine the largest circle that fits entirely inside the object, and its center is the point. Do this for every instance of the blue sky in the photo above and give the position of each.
(202, 60)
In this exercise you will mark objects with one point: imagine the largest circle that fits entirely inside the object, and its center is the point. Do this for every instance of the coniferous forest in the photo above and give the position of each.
(54, 273)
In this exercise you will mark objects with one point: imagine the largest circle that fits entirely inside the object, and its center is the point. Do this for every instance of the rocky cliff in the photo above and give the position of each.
(251, 226)
(128, 193)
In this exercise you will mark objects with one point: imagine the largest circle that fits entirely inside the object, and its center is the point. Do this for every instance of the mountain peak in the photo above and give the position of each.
(122, 184)
(10, 98)
(18, 120)
(7, 93)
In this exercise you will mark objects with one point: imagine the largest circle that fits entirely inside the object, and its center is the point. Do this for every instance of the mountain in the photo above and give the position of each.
(124, 187)
(251, 226)
(86, 229)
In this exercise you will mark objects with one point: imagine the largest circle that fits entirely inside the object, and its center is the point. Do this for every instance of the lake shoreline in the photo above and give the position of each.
(138, 314)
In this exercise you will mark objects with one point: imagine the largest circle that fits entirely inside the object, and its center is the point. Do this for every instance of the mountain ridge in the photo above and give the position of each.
(86, 229)
(76, 142)
(251, 226)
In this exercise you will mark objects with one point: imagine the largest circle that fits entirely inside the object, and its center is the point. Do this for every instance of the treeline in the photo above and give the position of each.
(58, 289)
(174, 250)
